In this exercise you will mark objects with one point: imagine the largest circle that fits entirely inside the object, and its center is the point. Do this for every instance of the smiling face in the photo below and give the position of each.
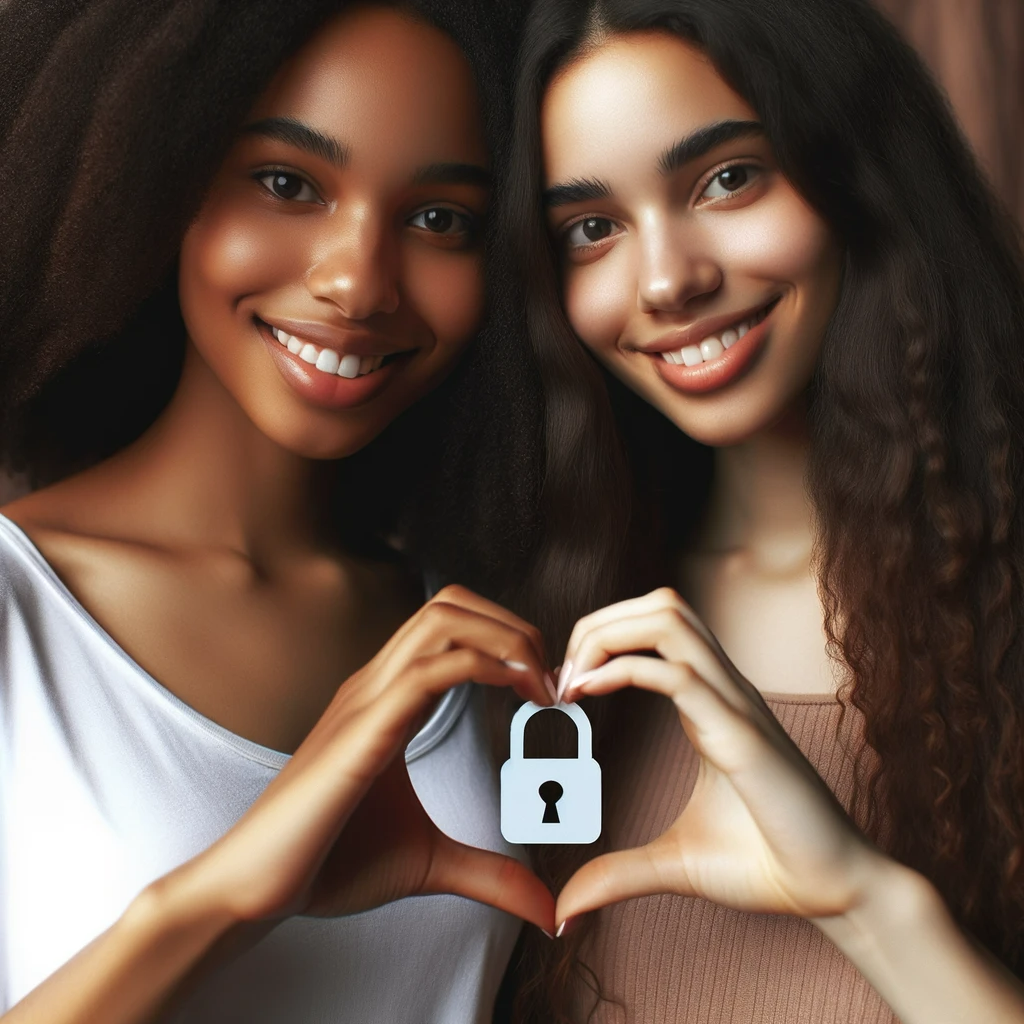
(692, 268)
(334, 272)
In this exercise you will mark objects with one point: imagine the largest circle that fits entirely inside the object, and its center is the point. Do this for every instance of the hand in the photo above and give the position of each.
(762, 831)
(340, 830)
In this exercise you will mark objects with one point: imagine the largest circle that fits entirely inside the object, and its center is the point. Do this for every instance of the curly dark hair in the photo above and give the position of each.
(916, 414)
(114, 116)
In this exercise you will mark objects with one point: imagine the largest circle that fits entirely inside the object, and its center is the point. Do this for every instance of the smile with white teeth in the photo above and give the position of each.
(715, 344)
(326, 359)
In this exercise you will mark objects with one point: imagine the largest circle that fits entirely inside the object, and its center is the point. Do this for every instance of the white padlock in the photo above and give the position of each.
(551, 799)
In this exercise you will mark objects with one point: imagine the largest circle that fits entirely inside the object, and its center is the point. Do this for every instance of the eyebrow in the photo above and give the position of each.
(578, 190)
(453, 174)
(703, 140)
(295, 133)
(692, 146)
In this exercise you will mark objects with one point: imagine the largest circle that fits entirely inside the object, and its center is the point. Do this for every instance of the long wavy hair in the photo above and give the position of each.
(916, 416)
(114, 117)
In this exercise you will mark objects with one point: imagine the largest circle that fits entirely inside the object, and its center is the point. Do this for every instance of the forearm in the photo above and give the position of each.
(135, 969)
(904, 941)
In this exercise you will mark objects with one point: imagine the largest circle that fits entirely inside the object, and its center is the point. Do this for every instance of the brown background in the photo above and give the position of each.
(975, 49)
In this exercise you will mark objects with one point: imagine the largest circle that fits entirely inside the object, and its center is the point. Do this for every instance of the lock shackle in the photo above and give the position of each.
(584, 750)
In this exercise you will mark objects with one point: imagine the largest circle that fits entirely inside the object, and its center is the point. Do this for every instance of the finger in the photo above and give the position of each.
(667, 632)
(457, 596)
(613, 877)
(432, 676)
(441, 626)
(494, 879)
(464, 598)
(746, 743)
(661, 598)
(720, 729)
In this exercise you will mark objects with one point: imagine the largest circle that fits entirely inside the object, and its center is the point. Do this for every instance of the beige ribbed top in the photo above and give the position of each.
(675, 959)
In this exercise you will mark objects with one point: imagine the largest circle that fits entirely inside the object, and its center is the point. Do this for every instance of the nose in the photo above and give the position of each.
(355, 267)
(675, 266)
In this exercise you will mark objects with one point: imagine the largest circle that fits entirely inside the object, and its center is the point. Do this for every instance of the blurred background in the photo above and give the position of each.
(975, 49)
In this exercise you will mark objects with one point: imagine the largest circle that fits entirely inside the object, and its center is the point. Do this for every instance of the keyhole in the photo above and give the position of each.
(550, 793)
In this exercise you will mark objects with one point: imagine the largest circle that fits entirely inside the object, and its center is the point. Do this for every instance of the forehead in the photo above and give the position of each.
(384, 83)
(624, 102)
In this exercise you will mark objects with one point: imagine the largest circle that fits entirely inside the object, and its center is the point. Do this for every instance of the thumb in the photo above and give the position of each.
(491, 878)
(611, 878)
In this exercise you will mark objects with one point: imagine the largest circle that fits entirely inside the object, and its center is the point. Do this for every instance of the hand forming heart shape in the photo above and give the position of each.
(761, 831)
(340, 829)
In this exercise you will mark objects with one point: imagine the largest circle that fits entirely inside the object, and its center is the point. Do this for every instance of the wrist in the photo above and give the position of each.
(893, 902)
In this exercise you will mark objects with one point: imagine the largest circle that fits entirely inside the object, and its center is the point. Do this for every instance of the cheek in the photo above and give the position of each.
(225, 256)
(598, 298)
(781, 239)
(447, 291)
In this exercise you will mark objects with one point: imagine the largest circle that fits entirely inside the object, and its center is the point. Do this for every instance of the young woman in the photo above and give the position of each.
(764, 223)
(241, 244)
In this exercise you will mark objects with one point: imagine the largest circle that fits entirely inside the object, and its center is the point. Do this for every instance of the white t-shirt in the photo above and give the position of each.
(108, 781)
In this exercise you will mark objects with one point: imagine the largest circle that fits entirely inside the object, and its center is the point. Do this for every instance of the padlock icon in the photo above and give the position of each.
(551, 799)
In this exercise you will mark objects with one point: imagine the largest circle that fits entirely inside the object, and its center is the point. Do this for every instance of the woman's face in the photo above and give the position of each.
(334, 272)
(692, 269)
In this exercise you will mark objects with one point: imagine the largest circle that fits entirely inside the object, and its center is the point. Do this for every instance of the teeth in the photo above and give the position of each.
(349, 366)
(326, 359)
(712, 347)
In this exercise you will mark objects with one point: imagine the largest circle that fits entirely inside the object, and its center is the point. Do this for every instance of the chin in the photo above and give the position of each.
(726, 426)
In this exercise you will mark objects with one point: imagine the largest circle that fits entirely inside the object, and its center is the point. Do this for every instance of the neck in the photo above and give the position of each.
(759, 505)
(204, 474)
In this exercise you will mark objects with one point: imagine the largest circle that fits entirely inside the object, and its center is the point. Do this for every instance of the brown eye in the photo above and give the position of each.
(728, 181)
(286, 185)
(440, 220)
(586, 232)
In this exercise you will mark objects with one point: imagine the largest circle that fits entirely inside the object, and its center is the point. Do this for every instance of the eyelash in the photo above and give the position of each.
(733, 166)
(708, 181)
(261, 175)
(467, 233)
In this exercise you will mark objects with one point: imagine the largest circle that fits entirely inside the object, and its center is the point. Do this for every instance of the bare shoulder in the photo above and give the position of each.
(259, 647)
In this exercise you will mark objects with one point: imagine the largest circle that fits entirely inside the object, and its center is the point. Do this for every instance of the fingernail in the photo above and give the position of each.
(567, 927)
(547, 933)
(572, 691)
(563, 679)
(516, 666)
(549, 683)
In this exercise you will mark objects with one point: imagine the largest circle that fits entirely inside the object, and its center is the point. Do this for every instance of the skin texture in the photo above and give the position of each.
(761, 831)
(350, 251)
(680, 249)
(200, 549)
(232, 585)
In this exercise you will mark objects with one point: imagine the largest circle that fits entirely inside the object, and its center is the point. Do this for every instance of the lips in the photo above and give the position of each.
(308, 371)
(722, 364)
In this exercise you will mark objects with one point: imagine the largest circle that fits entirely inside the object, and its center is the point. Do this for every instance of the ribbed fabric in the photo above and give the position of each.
(668, 959)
